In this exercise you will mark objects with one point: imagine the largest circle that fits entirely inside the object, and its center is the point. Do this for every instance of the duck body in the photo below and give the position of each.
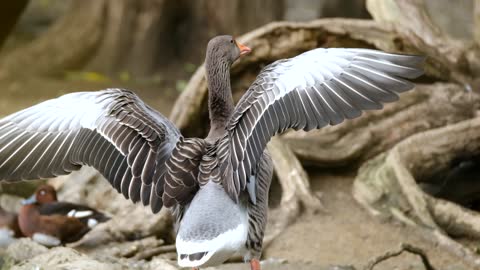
(217, 187)
(53, 223)
(50, 230)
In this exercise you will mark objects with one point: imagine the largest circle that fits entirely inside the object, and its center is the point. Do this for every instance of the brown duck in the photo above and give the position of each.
(52, 223)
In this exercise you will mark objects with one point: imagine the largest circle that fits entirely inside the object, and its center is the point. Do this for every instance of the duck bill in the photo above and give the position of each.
(29, 200)
(243, 49)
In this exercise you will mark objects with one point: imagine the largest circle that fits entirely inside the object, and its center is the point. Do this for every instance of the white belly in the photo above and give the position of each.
(213, 229)
(218, 250)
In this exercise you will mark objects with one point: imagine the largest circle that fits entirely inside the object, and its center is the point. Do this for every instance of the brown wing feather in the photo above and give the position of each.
(182, 171)
(111, 130)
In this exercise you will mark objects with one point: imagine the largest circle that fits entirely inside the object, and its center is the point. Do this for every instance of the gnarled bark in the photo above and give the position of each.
(295, 186)
(457, 59)
(387, 185)
(354, 141)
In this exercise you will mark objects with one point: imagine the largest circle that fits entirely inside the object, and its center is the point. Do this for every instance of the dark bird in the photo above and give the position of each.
(51, 222)
(217, 186)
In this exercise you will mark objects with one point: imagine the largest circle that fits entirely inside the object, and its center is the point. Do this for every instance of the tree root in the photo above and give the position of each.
(359, 139)
(148, 254)
(387, 185)
(296, 191)
(460, 61)
(394, 253)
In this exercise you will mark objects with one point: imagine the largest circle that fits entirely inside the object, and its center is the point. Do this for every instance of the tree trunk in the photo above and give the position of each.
(138, 36)
(60, 48)
(476, 21)
(10, 12)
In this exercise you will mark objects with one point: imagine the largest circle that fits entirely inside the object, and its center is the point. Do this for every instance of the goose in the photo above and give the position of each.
(217, 186)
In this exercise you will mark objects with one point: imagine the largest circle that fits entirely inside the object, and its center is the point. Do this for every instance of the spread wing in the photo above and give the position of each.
(312, 90)
(111, 130)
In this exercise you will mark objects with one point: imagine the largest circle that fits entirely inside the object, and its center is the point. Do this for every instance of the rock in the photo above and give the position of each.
(10, 203)
(27, 255)
(123, 249)
(65, 258)
(158, 263)
(23, 249)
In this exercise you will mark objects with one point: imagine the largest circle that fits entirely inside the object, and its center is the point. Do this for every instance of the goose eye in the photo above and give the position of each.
(42, 192)
(231, 41)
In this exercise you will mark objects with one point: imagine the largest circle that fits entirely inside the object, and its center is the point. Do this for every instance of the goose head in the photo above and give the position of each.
(225, 49)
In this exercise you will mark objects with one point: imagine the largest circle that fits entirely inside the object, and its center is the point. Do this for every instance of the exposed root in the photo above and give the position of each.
(387, 186)
(148, 254)
(394, 253)
(357, 140)
(296, 191)
(412, 21)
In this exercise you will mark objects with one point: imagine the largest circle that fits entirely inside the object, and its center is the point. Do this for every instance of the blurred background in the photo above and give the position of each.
(49, 47)
(154, 47)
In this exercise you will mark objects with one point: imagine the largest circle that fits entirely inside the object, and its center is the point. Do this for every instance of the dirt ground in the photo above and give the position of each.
(346, 235)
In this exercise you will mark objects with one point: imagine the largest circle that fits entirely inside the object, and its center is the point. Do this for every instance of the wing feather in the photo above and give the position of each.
(111, 130)
(316, 88)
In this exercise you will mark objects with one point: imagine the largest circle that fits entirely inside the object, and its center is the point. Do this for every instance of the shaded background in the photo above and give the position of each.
(152, 46)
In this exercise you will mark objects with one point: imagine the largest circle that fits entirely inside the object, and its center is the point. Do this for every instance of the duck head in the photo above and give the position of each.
(43, 194)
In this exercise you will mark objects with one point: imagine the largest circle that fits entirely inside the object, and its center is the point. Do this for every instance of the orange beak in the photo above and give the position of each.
(243, 49)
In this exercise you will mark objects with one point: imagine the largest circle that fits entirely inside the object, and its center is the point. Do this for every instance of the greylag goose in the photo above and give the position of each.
(217, 187)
